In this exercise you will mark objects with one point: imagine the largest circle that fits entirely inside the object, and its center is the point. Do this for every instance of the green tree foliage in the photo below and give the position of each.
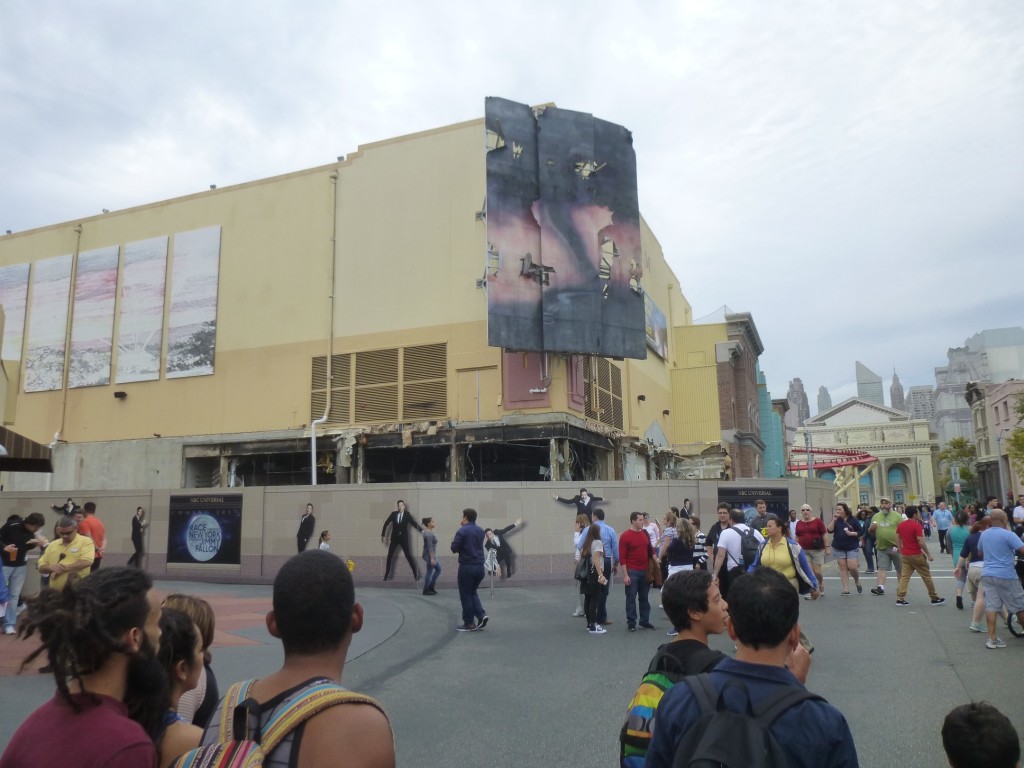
(962, 453)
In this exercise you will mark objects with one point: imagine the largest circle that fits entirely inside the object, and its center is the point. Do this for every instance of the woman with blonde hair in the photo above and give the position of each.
(197, 704)
(668, 532)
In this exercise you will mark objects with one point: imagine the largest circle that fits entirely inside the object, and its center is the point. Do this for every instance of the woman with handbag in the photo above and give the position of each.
(810, 535)
(591, 552)
(784, 555)
(582, 523)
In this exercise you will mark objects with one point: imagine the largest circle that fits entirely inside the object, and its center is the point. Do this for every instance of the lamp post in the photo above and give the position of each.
(999, 461)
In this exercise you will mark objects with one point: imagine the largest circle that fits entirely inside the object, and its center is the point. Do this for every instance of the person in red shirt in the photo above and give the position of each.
(914, 550)
(635, 551)
(810, 535)
(92, 527)
(100, 637)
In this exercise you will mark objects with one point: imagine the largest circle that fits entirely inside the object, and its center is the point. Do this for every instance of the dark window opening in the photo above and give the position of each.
(406, 465)
(507, 462)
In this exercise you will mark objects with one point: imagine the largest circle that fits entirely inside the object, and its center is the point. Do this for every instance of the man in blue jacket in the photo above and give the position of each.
(468, 544)
(764, 612)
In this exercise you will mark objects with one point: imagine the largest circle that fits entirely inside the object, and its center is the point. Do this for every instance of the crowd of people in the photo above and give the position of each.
(135, 684)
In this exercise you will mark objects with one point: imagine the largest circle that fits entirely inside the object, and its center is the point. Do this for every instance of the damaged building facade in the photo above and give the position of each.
(337, 325)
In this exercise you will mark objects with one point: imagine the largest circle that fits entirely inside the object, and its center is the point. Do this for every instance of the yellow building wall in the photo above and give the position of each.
(695, 384)
(410, 248)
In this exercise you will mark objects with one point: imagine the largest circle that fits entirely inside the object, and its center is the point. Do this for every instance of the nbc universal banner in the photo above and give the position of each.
(205, 529)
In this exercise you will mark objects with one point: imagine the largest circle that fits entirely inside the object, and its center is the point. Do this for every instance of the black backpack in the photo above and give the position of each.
(749, 546)
(724, 738)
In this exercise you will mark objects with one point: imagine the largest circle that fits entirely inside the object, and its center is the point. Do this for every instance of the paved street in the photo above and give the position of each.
(511, 695)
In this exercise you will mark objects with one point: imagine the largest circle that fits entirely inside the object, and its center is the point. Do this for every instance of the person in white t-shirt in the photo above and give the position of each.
(730, 550)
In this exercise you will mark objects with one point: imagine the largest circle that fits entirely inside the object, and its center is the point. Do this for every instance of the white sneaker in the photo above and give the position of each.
(8, 630)
(993, 644)
(597, 630)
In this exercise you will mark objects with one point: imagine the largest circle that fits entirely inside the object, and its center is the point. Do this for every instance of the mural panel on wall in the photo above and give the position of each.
(47, 323)
(13, 295)
(141, 328)
(564, 259)
(192, 327)
(657, 328)
(92, 330)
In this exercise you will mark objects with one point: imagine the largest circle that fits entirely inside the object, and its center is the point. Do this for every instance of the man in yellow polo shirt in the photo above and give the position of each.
(68, 558)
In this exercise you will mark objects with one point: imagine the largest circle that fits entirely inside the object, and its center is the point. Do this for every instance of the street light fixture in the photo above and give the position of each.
(999, 460)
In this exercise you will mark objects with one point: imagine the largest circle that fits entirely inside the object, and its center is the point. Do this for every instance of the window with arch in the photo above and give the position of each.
(897, 475)
(827, 474)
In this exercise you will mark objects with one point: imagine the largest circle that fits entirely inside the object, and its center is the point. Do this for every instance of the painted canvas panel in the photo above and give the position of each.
(656, 328)
(92, 329)
(47, 323)
(192, 327)
(141, 326)
(564, 258)
(13, 295)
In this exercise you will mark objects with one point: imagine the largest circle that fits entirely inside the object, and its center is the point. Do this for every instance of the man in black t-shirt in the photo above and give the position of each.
(17, 537)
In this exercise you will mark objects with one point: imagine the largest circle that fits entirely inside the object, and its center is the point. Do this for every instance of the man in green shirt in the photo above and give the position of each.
(883, 528)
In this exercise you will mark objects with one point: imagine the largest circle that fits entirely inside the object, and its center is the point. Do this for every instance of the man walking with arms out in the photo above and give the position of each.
(468, 544)
(883, 528)
(635, 551)
(914, 550)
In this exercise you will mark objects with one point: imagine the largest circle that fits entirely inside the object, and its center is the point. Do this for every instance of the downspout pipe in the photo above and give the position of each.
(330, 331)
(59, 434)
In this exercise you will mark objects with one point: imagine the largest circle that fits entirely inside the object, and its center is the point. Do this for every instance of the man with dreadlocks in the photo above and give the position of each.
(100, 637)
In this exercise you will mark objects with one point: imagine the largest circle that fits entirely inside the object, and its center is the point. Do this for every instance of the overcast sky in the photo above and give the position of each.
(852, 173)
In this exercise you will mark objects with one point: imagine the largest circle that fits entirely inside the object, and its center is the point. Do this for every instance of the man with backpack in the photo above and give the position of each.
(314, 615)
(708, 717)
(738, 546)
(695, 606)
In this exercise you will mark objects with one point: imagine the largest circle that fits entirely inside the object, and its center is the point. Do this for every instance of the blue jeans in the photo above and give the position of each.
(430, 574)
(869, 551)
(469, 578)
(638, 586)
(602, 595)
(14, 580)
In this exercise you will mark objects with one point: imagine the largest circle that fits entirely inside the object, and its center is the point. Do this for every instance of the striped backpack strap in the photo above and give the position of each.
(313, 700)
(237, 693)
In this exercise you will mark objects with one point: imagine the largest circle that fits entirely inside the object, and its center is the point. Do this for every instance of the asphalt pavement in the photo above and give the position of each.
(535, 689)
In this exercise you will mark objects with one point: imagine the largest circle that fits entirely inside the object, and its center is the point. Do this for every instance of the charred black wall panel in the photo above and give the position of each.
(563, 225)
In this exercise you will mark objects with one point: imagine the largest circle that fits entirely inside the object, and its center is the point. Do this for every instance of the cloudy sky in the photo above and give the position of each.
(852, 173)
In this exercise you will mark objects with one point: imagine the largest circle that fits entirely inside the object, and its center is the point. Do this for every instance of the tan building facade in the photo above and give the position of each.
(904, 449)
(330, 326)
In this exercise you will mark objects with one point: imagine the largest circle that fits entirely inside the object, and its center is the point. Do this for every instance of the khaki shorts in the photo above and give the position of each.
(974, 579)
(815, 556)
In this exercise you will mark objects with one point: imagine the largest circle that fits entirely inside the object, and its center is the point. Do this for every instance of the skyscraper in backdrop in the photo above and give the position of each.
(920, 402)
(869, 385)
(896, 399)
(824, 399)
(798, 401)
